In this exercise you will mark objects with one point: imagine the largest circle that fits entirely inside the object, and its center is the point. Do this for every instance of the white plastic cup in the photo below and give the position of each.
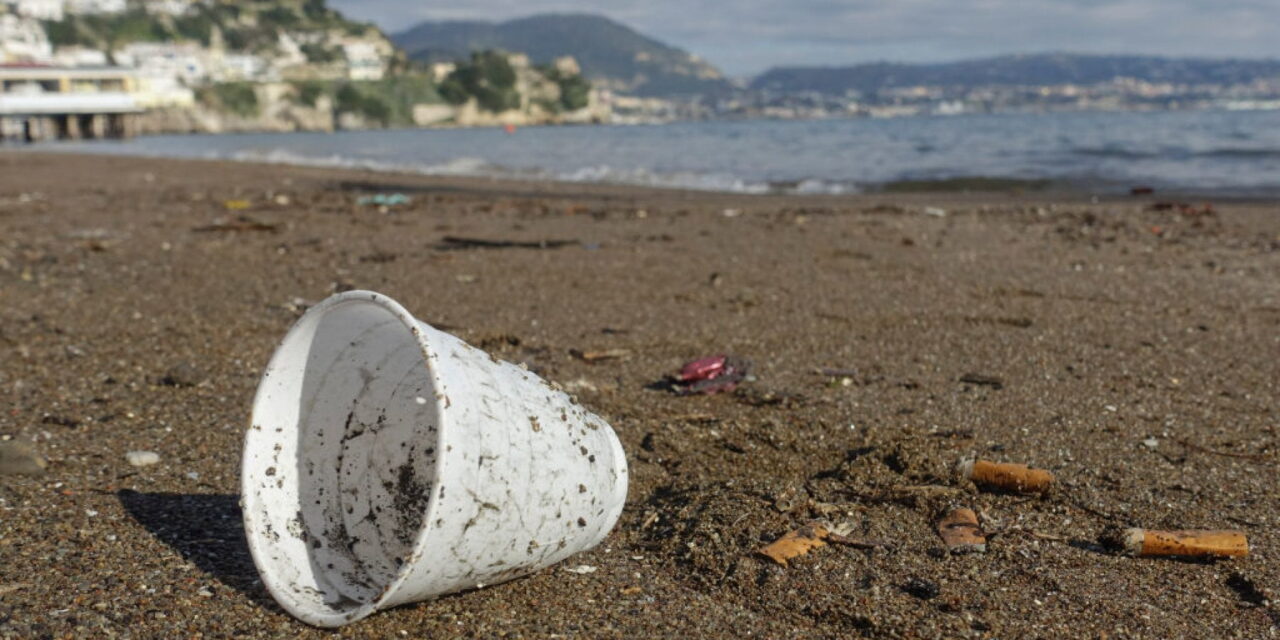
(388, 462)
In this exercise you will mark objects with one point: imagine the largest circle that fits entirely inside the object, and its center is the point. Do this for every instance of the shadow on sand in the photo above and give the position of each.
(205, 529)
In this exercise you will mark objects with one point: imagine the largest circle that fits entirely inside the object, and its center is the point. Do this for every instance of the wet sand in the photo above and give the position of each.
(1137, 353)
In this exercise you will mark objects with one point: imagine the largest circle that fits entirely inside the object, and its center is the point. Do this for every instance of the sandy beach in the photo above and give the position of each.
(1128, 345)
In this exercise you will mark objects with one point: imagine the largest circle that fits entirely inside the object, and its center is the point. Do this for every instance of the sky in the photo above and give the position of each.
(745, 37)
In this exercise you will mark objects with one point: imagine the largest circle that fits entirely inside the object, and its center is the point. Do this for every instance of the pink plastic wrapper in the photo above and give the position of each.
(710, 375)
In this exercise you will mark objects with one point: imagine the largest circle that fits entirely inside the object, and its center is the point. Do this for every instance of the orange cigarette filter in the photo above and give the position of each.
(1148, 542)
(960, 530)
(796, 543)
(1006, 476)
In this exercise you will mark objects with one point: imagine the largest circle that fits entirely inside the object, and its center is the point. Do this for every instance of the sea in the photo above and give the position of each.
(1225, 153)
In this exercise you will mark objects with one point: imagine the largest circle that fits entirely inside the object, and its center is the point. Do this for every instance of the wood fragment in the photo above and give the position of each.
(922, 490)
(1039, 535)
(695, 417)
(458, 242)
(6, 589)
(960, 530)
(1186, 543)
(984, 380)
(239, 223)
(600, 355)
(1045, 536)
(910, 495)
(1256, 457)
(857, 543)
(796, 543)
(1005, 476)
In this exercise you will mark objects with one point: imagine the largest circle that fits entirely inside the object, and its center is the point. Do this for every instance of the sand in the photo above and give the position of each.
(1135, 352)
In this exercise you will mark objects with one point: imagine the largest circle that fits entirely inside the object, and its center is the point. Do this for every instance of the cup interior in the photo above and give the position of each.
(341, 458)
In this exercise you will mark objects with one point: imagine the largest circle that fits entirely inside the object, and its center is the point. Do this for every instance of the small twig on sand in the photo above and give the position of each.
(1039, 535)
(857, 543)
(694, 417)
(600, 355)
(457, 242)
(1255, 457)
(241, 223)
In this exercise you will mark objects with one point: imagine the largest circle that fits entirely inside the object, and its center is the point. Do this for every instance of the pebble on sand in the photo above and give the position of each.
(142, 458)
(19, 458)
(183, 374)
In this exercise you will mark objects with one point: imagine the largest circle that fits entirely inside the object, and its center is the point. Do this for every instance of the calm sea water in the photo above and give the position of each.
(1228, 152)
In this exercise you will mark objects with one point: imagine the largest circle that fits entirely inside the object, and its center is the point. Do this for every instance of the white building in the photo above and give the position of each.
(169, 7)
(184, 62)
(38, 9)
(95, 6)
(364, 60)
(166, 71)
(23, 40)
(77, 56)
(160, 92)
(442, 70)
(288, 52)
(235, 67)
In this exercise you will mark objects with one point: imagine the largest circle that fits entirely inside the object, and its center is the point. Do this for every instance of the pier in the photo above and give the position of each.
(40, 103)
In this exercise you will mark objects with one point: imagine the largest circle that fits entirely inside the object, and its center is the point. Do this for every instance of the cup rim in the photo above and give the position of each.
(259, 546)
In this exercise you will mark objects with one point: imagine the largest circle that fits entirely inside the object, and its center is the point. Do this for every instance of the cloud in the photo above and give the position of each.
(748, 36)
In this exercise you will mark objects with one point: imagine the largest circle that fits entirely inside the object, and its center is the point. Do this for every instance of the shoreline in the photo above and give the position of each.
(1002, 155)
(976, 185)
(1128, 350)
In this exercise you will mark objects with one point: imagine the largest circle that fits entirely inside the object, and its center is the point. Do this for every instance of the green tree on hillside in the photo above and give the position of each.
(488, 77)
(575, 90)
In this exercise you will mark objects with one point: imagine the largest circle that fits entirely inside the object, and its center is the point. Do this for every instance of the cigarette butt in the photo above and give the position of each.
(960, 530)
(1006, 476)
(1147, 542)
(796, 543)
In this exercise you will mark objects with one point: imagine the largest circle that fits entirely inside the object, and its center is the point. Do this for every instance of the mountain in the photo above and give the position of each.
(1014, 70)
(610, 54)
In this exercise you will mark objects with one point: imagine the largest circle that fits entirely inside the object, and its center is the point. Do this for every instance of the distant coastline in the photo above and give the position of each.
(200, 66)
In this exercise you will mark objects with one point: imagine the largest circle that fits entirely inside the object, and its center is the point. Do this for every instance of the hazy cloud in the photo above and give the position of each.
(751, 35)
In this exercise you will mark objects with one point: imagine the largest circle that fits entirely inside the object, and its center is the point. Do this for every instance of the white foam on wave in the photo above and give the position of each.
(824, 187)
(467, 166)
(675, 180)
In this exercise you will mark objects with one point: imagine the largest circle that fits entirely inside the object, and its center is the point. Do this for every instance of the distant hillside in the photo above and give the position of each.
(245, 27)
(1043, 69)
(611, 54)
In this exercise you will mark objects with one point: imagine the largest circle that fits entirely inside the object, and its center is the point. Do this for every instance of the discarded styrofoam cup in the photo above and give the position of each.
(388, 462)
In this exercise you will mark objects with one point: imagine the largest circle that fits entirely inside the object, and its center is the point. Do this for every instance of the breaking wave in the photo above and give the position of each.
(601, 174)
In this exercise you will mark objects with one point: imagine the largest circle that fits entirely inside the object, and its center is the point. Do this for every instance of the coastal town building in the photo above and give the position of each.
(170, 7)
(23, 40)
(185, 62)
(95, 6)
(78, 56)
(163, 92)
(441, 70)
(240, 67)
(364, 60)
(38, 9)
(288, 52)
